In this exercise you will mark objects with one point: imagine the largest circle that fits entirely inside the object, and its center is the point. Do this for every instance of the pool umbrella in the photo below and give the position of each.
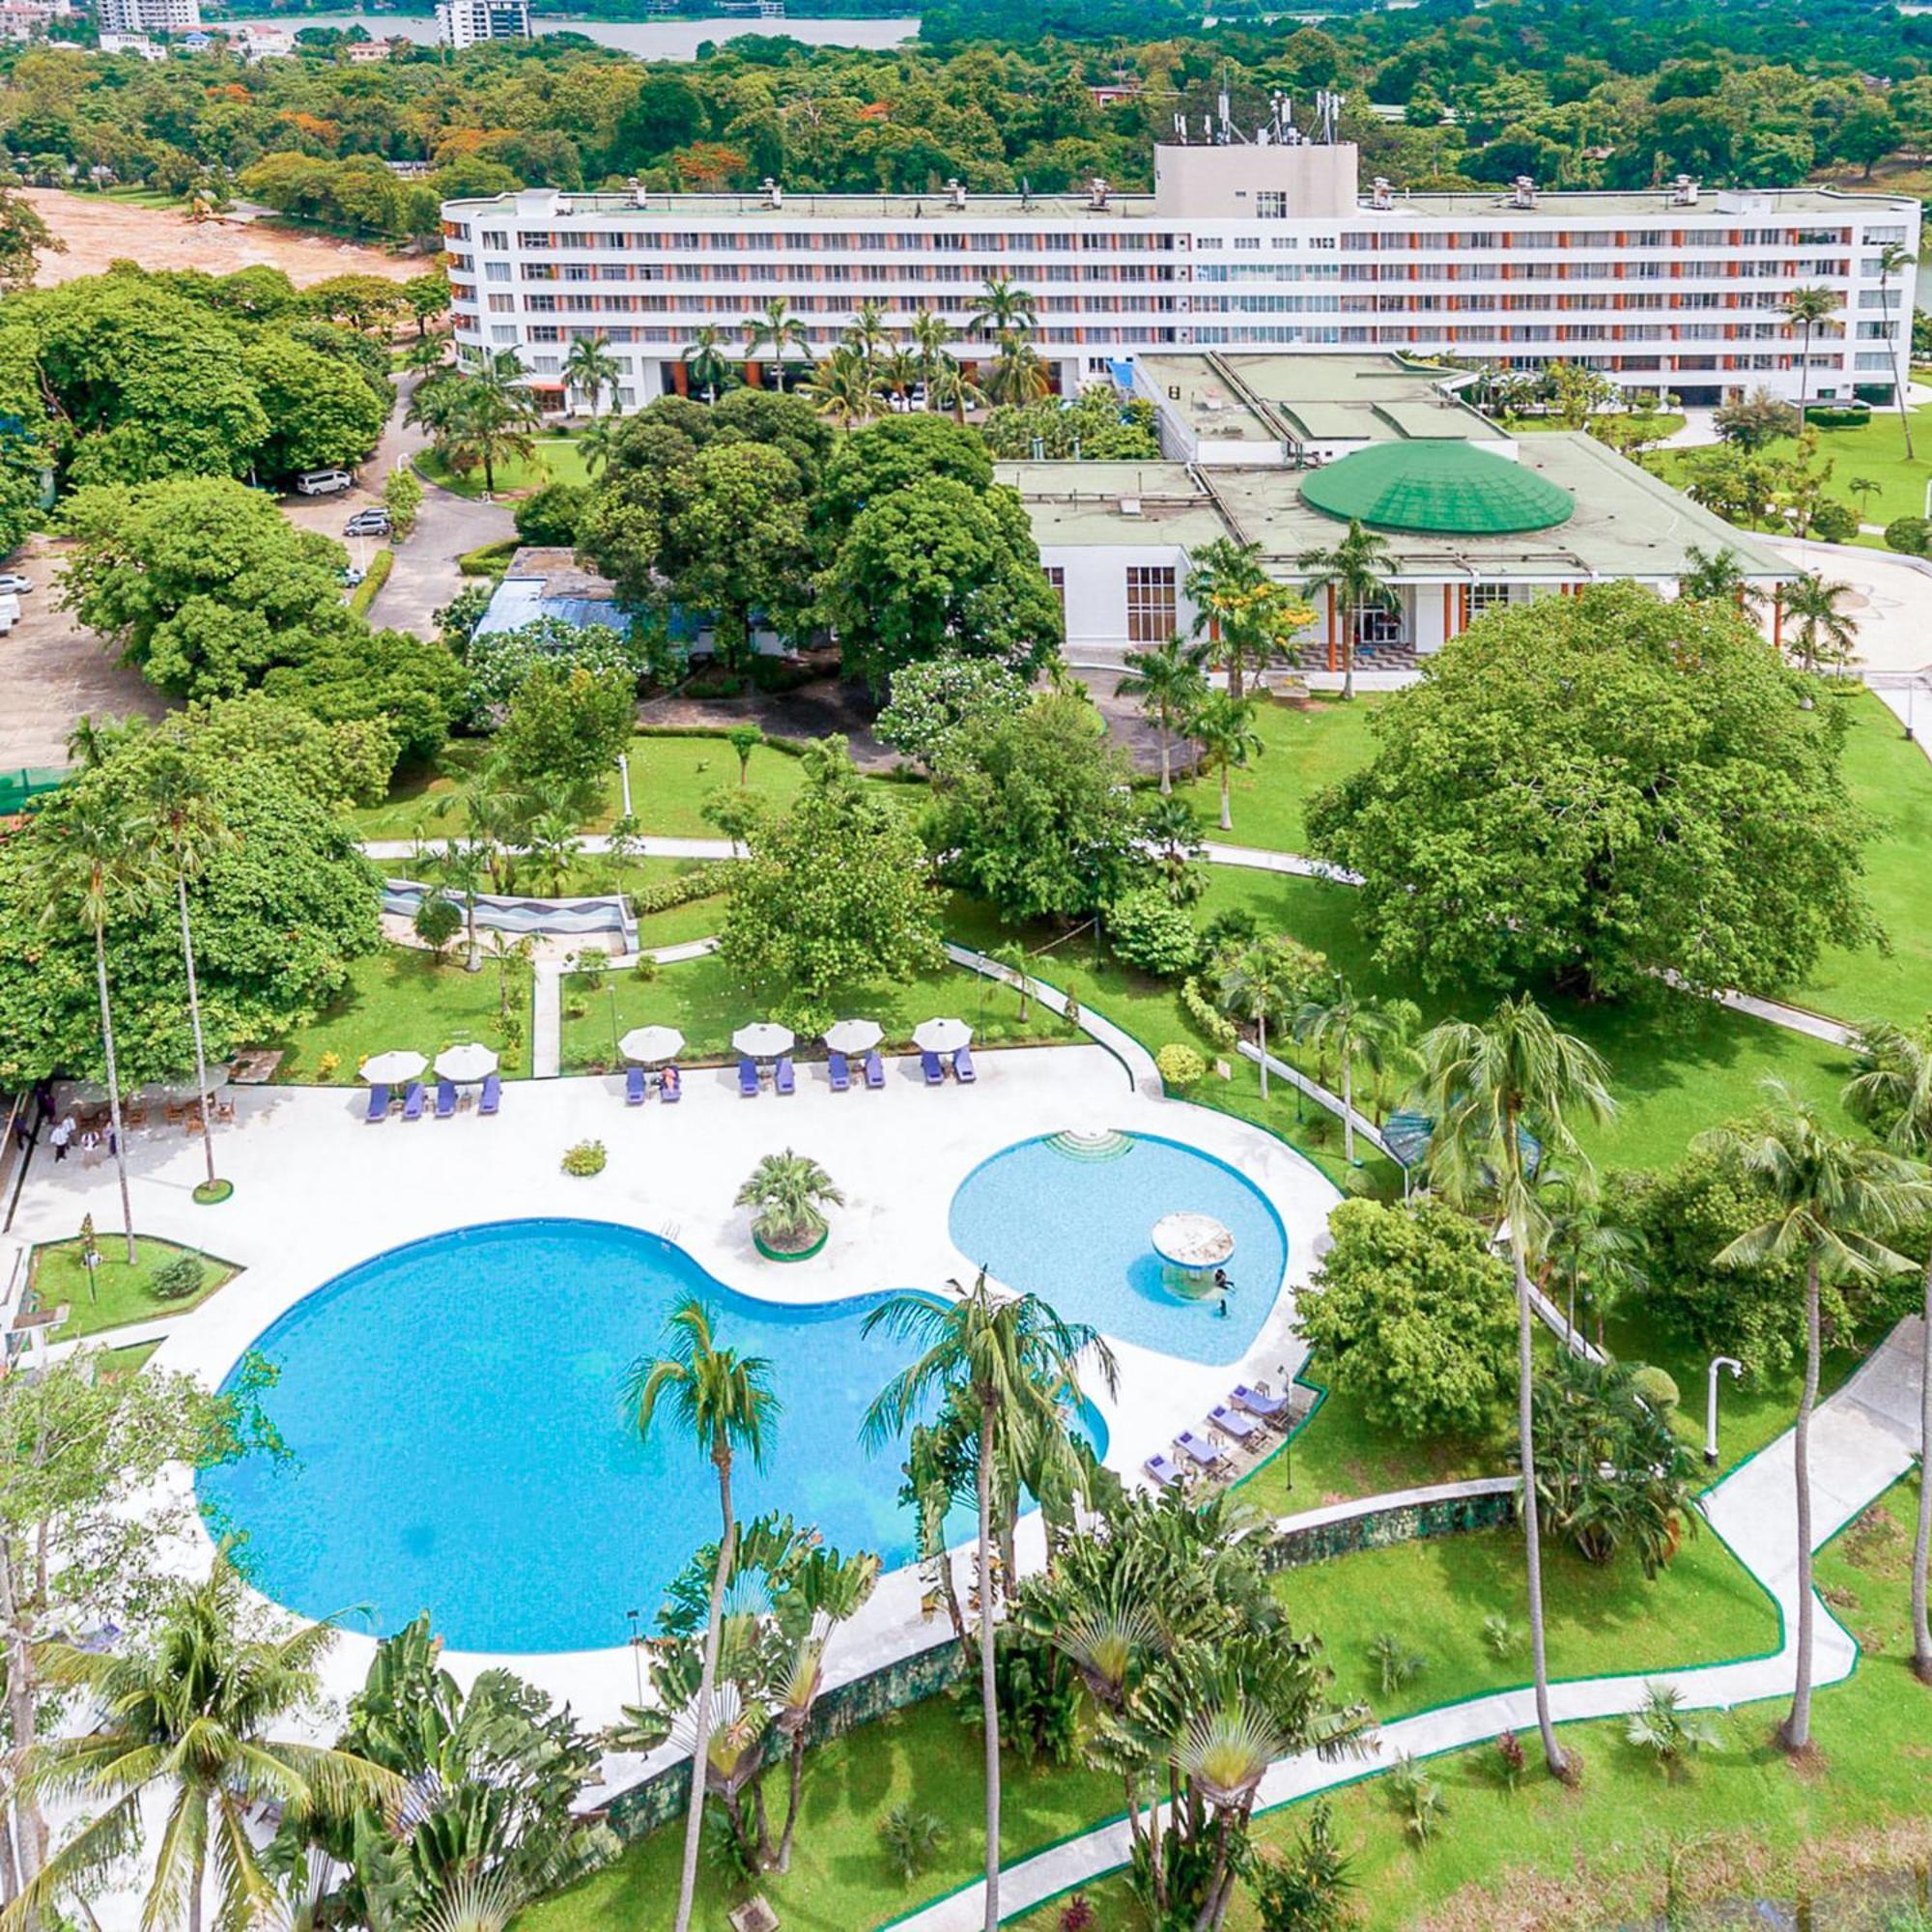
(941, 1036)
(854, 1035)
(762, 1039)
(466, 1062)
(651, 1044)
(391, 1070)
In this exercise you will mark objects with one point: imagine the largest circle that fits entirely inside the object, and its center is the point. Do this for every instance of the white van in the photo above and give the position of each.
(10, 611)
(323, 482)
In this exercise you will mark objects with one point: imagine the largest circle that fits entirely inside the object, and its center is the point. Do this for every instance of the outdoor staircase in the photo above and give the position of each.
(1107, 1145)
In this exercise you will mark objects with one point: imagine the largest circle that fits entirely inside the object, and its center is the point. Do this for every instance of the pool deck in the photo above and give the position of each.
(318, 1191)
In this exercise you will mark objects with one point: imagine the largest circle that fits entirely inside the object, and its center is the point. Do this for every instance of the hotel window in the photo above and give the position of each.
(1488, 597)
(1376, 625)
(1271, 204)
(1056, 581)
(1149, 603)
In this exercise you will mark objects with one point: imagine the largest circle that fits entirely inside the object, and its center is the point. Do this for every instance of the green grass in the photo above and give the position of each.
(400, 997)
(119, 1293)
(116, 1363)
(558, 459)
(705, 1002)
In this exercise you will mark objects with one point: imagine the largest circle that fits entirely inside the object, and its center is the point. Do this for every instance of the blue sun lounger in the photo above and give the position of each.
(935, 1074)
(445, 1099)
(493, 1093)
(1162, 1472)
(875, 1070)
(1230, 1422)
(784, 1075)
(379, 1105)
(634, 1087)
(1267, 1407)
(747, 1080)
(839, 1070)
(412, 1101)
(962, 1067)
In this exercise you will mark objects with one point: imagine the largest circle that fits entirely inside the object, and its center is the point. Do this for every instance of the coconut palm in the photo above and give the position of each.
(1835, 1197)
(598, 443)
(840, 388)
(425, 353)
(1822, 631)
(1167, 680)
(1241, 615)
(1355, 1028)
(590, 368)
(931, 331)
(1804, 309)
(1864, 488)
(191, 1718)
(477, 415)
(1223, 726)
(776, 325)
(1503, 1094)
(867, 334)
(1588, 1255)
(897, 372)
(1893, 259)
(789, 1189)
(1719, 578)
(952, 388)
(1017, 376)
(1019, 1365)
(1354, 573)
(722, 1402)
(1256, 983)
(1002, 309)
(463, 867)
(1894, 1092)
(95, 867)
(704, 362)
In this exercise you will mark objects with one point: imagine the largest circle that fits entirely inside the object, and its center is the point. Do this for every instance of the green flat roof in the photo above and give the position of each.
(1445, 485)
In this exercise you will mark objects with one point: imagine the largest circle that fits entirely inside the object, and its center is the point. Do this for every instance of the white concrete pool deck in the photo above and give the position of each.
(318, 1191)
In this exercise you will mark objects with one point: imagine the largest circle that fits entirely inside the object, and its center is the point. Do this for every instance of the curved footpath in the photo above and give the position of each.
(1863, 1441)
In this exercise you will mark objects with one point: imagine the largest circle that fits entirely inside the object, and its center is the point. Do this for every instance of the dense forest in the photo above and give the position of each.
(1575, 95)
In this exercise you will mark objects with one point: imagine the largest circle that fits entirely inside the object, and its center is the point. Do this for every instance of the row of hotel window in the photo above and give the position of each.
(1152, 614)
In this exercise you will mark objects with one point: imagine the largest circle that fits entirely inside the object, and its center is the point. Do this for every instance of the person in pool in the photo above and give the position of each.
(1226, 1286)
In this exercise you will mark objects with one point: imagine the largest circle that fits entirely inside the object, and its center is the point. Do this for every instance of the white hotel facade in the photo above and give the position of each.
(1239, 247)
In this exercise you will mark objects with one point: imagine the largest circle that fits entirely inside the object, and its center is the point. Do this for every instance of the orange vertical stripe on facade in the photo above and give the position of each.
(1331, 627)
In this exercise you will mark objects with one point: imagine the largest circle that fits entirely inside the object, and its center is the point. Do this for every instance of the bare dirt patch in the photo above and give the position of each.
(98, 232)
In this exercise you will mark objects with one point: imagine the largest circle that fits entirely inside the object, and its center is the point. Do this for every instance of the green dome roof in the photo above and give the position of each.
(1442, 485)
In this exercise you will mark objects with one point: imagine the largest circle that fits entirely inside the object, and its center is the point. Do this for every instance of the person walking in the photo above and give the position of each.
(60, 1136)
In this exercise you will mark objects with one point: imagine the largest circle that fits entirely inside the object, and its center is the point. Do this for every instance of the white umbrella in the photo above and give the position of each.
(389, 1070)
(941, 1036)
(186, 1089)
(762, 1039)
(465, 1063)
(648, 1045)
(854, 1035)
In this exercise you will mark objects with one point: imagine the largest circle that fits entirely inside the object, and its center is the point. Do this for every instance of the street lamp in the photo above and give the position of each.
(624, 779)
(638, 1650)
(1736, 1368)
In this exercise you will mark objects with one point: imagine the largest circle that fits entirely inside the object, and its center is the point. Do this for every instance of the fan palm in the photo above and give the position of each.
(590, 368)
(840, 388)
(1835, 1198)
(722, 1402)
(1354, 574)
(1491, 1087)
(1357, 1030)
(789, 1189)
(1223, 726)
(1804, 309)
(1019, 1365)
(705, 361)
(1167, 680)
(1893, 1091)
(191, 1718)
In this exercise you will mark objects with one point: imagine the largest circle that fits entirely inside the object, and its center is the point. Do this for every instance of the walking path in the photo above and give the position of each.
(547, 1000)
(1863, 1441)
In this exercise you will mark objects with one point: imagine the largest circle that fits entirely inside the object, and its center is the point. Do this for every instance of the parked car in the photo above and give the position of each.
(352, 576)
(10, 611)
(13, 583)
(367, 523)
(323, 482)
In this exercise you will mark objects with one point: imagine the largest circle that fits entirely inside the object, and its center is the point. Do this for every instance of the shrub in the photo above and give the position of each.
(179, 1280)
(1911, 535)
(438, 920)
(1220, 1031)
(1831, 416)
(1502, 1634)
(912, 1838)
(586, 1158)
(1835, 522)
(552, 515)
(1656, 1386)
(1670, 1733)
(402, 498)
(1179, 1064)
(1395, 1663)
(702, 882)
(644, 968)
(1077, 1915)
(1510, 1758)
(364, 593)
(591, 960)
(1305, 1887)
(329, 1066)
(1152, 933)
(1418, 1797)
(489, 560)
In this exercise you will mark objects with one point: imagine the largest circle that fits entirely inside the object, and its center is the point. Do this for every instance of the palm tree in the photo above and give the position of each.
(1835, 1197)
(789, 1189)
(1804, 309)
(1865, 488)
(426, 354)
(1354, 576)
(724, 1403)
(1017, 376)
(1822, 631)
(931, 331)
(1224, 726)
(1168, 681)
(899, 371)
(1255, 983)
(840, 388)
(1241, 614)
(1490, 1089)
(1719, 578)
(1894, 258)
(598, 443)
(704, 358)
(1356, 1029)
(183, 828)
(465, 868)
(1893, 1091)
(191, 1718)
(554, 846)
(479, 417)
(867, 334)
(96, 865)
(1003, 309)
(1019, 1365)
(953, 390)
(590, 368)
(775, 324)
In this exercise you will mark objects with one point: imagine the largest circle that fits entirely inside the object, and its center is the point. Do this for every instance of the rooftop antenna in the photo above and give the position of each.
(1026, 193)
(1180, 129)
(1329, 110)
(1225, 112)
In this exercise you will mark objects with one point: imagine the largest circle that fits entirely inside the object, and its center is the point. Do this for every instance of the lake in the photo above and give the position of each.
(648, 40)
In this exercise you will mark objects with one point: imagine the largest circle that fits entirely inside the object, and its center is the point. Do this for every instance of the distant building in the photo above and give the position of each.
(366, 53)
(112, 42)
(254, 42)
(22, 19)
(150, 16)
(464, 23)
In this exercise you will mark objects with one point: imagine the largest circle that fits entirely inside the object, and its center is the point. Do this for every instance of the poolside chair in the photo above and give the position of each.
(445, 1099)
(963, 1067)
(670, 1086)
(1206, 1454)
(1258, 1401)
(493, 1093)
(875, 1070)
(784, 1075)
(1162, 1472)
(379, 1105)
(634, 1087)
(748, 1079)
(839, 1070)
(935, 1074)
(412, 1101)
(1242, 1429)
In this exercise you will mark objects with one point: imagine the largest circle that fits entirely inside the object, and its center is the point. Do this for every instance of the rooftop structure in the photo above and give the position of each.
(546, 582)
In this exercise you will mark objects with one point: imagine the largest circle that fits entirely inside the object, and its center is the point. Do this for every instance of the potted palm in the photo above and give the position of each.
(786, 1191)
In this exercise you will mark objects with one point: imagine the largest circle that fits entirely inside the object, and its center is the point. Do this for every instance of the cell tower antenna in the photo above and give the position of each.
(1180, 129)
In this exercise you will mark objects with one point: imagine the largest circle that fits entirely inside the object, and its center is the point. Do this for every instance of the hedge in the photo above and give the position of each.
(491, 560)
(702, 882)
(364, 593)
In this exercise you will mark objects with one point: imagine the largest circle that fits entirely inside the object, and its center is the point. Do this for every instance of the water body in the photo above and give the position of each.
(648, 40)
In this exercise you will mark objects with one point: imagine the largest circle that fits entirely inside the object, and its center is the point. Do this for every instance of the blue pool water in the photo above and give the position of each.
(458, 1443)
(1075, 1229)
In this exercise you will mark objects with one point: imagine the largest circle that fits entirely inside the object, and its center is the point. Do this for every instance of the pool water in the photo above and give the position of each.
(1070, 1220)
(458, 1442)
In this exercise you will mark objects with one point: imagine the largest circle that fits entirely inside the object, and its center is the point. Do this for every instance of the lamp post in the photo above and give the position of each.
(624, 779)
(1736, 1368)
(638, 1650)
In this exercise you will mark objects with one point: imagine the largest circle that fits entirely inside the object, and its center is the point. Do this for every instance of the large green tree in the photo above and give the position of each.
(1603, 788)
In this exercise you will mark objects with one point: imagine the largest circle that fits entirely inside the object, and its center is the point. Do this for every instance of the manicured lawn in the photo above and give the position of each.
(116, 1363)
(702, 999)
(400, 997)
(409, 811)
(557, 460)
(118, 1293)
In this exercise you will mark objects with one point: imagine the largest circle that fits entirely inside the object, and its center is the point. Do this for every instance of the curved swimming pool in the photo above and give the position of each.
(457, 1443)
(1068, 1218)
